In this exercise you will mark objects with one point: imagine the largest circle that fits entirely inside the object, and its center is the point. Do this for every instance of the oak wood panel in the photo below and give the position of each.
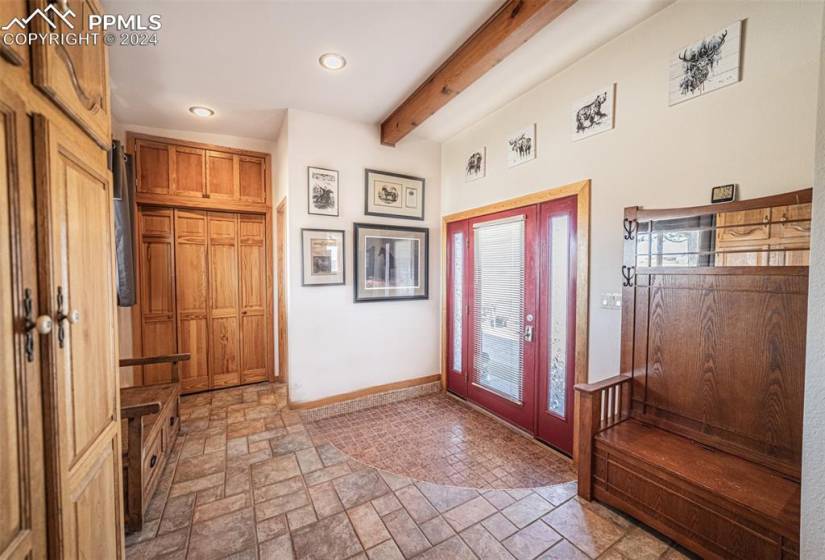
(222, 175)
(15, 54)
(252, 285)
(755, 225)
(794, 221)
(223, 299)
(252, 179)
(22, 500)
(192, 282)
(76, 256)
(188, 171)
(506, 30)
(157, 290)
(153, 164)
(75, 77)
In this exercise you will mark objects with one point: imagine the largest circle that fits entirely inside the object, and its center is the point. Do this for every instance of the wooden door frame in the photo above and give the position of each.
(581, 190)
(281, 263)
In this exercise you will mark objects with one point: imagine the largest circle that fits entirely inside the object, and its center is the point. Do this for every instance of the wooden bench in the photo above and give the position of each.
(700, 436)
(150, 421)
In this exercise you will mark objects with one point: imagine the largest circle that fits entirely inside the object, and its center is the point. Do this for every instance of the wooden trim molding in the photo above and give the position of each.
(581, 190)
(365, 392)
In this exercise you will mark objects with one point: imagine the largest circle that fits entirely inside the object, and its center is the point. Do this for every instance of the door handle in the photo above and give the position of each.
(43, 324)
(528, 333)
(73, 317)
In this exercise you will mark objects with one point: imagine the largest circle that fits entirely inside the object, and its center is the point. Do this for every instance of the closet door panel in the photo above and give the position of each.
(252, 179)
(223, 299)
(192, 282)
(157, 290)
(189, 177)
(222, 175)
(252, 282)
(14, 54)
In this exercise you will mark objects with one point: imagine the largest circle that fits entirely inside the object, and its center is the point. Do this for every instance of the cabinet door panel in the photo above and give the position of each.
(252, 173)
(252, 281)
(75, 237)
(795, 221)
(222, 175)
(754, 225)
(75, 77)
(192, 297)
(14, 54)
(22, 508)
(190, 171)
(153, 167)
(223, 299)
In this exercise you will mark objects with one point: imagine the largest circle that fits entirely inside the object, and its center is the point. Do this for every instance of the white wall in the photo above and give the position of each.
(813, 452)
(336, 345)
(758, 133)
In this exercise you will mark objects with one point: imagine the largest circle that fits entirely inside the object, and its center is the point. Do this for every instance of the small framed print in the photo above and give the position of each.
(393, 196)
(391, 262)
(322, 191)
(323, 259)
(723, 193)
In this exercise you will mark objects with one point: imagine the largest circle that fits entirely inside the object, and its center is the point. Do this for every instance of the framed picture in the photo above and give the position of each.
(323, 259)
(393, 196)
(476, 166)
(593, 113)
(706, 65)
(322, 191)
(391, 262)
(521, 146)
(723, 193)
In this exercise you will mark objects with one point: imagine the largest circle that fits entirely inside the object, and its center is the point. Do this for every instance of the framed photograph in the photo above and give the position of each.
(476, 166)
(391, 262)
(593, 113)
(322, 262)
(706, 65)
(393, 196)
(521, 146)
(723, 193)
(322, 191)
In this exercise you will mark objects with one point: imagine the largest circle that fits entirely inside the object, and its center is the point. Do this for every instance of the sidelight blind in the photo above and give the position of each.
(498, 279)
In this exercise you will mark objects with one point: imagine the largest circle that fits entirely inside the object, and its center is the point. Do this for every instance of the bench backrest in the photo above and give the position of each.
(714, 322)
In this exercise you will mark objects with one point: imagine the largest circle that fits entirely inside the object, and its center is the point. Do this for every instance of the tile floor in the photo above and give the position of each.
(248, 479)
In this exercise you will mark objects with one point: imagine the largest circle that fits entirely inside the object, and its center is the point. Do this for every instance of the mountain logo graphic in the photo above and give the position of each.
(43, 13)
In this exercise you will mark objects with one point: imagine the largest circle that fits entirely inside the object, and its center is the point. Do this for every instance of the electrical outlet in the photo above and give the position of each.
(610, 301)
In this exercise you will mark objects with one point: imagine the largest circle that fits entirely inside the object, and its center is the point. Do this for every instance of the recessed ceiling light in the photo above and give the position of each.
(201, 111)
(332, 61)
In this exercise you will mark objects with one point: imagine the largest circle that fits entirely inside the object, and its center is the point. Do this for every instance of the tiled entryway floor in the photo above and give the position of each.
(438, 439)
(246, 480)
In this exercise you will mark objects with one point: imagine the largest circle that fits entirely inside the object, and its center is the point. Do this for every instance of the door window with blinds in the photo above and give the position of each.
(498, 286)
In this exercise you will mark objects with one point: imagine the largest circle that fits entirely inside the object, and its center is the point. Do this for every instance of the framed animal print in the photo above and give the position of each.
(322, 191)
(706, 65)
(521, 146)
(593, 113)
(323, 259)
(391, 262)
(393, 195)
(476, 165)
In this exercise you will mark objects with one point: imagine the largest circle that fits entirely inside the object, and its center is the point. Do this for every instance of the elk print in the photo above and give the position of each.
(475, 168)
(593, 113)
(521, 146)
(706, 65)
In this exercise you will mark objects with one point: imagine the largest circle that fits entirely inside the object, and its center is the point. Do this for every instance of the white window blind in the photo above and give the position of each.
(498, 279)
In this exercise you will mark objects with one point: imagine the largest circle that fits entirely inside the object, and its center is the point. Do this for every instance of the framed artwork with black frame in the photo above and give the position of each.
(323, 261)
(391, 262)
(322, 191)
(393, 195)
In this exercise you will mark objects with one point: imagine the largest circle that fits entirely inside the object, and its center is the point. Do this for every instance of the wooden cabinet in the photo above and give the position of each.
(223, 299)
(75, 77)
(777, 236)
(14, 53)
(192, 282)
(157, 290)
(221, 175)
(22, 499)
(252, 179)
(189, 171)
(76, 259)
(153, 165)
(253, 297)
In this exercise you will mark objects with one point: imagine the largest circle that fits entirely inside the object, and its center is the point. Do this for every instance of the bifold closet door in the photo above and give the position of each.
(192, 290)
(224, 336)
(252, 282)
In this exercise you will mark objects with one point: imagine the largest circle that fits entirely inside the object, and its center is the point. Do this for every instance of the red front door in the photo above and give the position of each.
(504, 316)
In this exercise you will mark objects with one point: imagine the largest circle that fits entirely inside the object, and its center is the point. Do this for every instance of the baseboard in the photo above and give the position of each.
(369, 397)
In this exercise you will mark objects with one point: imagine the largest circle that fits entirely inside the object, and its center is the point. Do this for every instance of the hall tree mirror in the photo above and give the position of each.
(513, 325)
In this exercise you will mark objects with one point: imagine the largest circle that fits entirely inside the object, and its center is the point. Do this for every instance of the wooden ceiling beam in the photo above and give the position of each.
(506, 30)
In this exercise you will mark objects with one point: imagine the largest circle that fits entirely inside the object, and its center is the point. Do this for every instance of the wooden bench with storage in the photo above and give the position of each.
(150, 421)
(700, 437)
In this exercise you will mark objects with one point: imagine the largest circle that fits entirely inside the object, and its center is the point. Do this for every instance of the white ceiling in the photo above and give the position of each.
(251, 60)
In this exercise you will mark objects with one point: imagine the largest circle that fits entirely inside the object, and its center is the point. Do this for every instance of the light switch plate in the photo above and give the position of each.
(610, 301)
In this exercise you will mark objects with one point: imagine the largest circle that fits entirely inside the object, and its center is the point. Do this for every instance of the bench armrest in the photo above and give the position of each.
(164, 359)
(603, 384)
(138, 410)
